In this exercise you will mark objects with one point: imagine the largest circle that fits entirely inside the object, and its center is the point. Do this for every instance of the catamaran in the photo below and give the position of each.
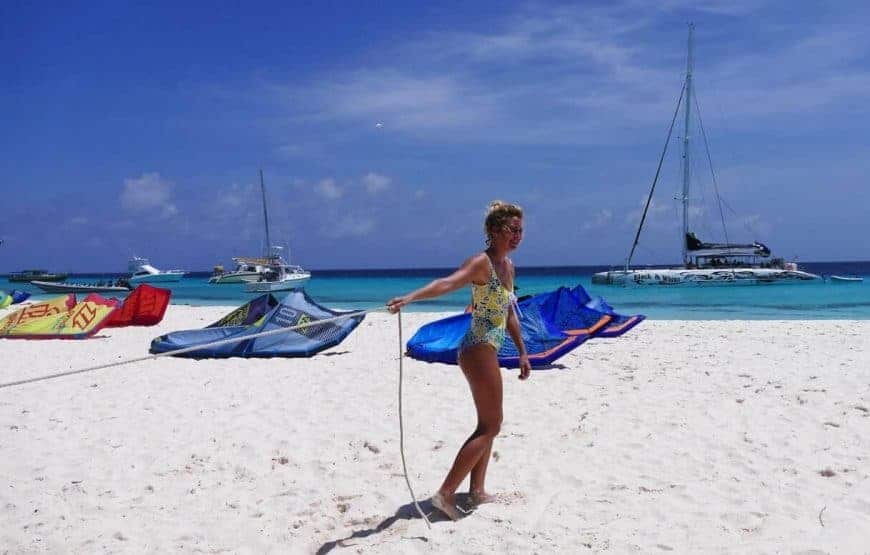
(266, 273)
(703, 263)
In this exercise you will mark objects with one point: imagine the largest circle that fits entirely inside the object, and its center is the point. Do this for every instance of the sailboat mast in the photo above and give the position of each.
(265, 214)
(686, 166)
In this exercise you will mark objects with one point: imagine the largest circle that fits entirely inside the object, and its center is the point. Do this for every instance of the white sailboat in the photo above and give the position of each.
(703, 263)
(266, 273)
(278, 275)
(247, 269)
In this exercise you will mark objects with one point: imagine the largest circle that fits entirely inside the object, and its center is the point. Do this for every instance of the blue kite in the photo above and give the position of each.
(266, 314)
(552, 324)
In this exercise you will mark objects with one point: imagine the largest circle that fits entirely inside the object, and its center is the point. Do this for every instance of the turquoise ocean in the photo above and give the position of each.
(364, 289)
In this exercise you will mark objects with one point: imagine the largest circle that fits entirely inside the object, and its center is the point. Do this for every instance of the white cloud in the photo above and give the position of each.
(601, 75)
(599, 220)
(410, 101)
(289, 150)
(751, 226)
(349, 226)
(233, 197)
(658, 215)
(148, 192)
(718, 7)
(328, 189)
(300, 150)
(375, 183)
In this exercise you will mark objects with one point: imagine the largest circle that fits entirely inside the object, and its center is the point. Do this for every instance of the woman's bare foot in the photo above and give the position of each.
(480, 497)
(446, 506)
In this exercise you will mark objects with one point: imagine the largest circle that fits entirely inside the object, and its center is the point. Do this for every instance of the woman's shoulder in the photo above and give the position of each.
(478, 259)
(479, 265)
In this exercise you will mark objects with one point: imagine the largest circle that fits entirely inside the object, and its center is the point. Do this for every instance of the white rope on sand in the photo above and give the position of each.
(253, 336)
(189, 349)
(402, 428)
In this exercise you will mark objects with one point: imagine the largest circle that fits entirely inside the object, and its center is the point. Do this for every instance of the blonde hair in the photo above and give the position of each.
(498, 215)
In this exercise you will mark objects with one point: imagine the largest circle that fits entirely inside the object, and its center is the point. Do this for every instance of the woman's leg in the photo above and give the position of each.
(480, 366)
(476, 487)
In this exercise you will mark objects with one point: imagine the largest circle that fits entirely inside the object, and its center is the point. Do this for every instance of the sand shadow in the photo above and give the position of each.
(334, 353)
(551, 366)
(405, 512)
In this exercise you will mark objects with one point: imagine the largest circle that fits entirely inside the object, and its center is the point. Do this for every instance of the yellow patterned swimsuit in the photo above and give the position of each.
(489, 313)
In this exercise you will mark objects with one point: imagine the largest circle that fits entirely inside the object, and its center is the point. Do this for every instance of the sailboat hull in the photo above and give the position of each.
(235, 277)
(706, 276)
(289, 282)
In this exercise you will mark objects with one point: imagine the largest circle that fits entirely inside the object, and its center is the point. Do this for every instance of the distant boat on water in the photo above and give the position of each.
(53, 287)
(703, 263)
(247, 269)
(846, 279)
(41, 275)
(141, 271)
(266, 273)
(278, 276)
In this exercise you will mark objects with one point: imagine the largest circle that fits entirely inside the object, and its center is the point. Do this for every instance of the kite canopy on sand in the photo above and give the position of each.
(19, 296)
(145, 306)
(59, 318)
(552, 325)
(64, 318)
(261, 315)
(619, 323)
(249, 313)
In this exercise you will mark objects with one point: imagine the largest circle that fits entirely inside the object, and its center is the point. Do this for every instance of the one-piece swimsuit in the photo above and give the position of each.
(489, 313)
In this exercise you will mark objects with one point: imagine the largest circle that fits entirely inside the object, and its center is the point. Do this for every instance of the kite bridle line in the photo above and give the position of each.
(254, 336)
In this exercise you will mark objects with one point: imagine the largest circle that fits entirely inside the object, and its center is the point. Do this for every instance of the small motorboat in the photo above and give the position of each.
(141, 271)
(121, 286)
(41, 275)
(846, 279)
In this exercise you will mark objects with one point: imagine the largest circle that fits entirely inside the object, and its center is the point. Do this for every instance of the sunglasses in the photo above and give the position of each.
(513, 230)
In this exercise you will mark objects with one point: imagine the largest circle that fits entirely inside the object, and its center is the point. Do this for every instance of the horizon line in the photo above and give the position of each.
(437, 268)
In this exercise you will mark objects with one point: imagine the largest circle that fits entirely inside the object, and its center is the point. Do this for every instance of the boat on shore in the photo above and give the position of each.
(703, 263)
(141, 271)
(120, 286)
(267, 273)
(41, 275)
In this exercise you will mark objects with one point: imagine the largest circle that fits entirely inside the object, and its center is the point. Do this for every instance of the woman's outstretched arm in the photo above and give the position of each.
(475, 268)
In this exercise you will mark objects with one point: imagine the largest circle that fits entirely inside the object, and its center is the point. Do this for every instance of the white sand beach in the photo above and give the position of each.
(686, 437)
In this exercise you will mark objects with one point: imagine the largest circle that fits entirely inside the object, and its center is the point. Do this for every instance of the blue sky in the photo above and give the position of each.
(140, 129)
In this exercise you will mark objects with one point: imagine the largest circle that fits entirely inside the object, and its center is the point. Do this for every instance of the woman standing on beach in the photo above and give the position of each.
(491, 275)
